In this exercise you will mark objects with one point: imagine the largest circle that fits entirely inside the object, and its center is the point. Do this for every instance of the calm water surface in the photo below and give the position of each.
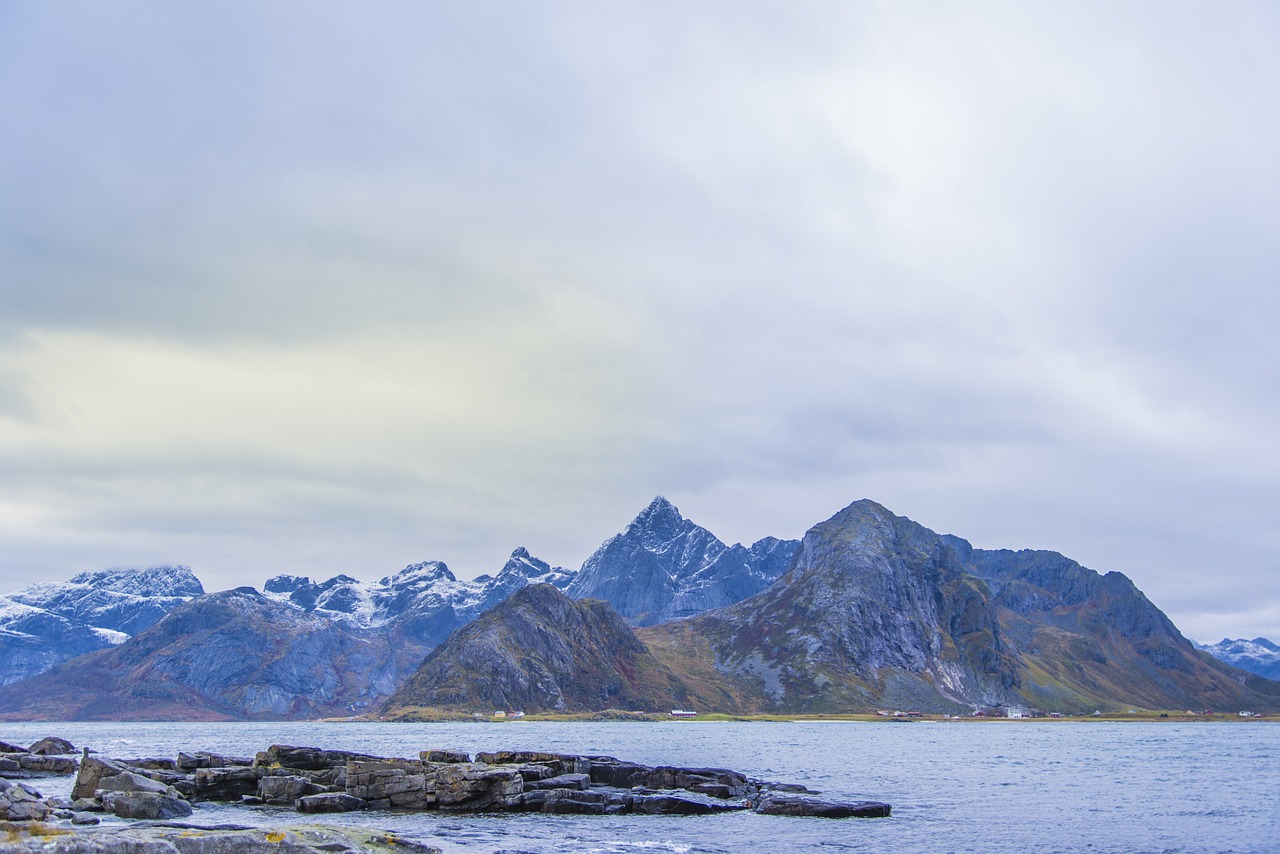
(1017, 786)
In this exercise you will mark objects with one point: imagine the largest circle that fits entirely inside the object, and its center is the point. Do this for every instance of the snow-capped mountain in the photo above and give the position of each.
(1259, 655)
(664, 567)
(46, 623)
(424, 602)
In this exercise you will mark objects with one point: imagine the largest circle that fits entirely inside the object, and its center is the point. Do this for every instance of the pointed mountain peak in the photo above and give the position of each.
(660, 516)
(520, 553)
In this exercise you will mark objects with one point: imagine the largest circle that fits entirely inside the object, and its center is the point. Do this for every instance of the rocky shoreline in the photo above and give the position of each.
(156, 792)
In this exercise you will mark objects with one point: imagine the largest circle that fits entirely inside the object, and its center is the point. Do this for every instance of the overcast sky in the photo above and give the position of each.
(319, 288)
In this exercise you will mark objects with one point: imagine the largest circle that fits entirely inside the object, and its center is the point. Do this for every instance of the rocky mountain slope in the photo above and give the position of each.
(664, 567)
(541, 651)
(46, 623)
(1259, 655)
(224, 656)
(878, 610)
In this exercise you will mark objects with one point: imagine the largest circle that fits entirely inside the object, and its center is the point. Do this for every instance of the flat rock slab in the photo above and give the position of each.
(331, 802)
(802, 806)
(187, 839)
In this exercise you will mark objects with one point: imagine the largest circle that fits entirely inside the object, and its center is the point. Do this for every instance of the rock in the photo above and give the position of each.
(570, 802)
(151, 764)
(228, 783)
(9, 766)
(580, 782)
(308, 758)
(185, 839)
(148, 805)
(40, 763)
(776, 804)
(251, 800)
(86, 805)
(93, 770)
(203, 759)
(130, 781)
(390, 783)
(283, 790)
(622, 775)
(20, 802)
(6, 747)
(84, 818)
(330, 802)
(446, 756)
(681, 804)
(52, 746)
(476, 787)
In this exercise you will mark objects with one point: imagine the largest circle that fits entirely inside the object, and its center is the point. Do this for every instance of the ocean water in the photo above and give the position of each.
(1016, 786)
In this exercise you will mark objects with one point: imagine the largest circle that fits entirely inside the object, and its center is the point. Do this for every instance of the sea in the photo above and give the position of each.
(1016, 786)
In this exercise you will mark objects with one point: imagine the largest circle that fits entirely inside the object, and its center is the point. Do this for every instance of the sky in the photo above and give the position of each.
(330, 287)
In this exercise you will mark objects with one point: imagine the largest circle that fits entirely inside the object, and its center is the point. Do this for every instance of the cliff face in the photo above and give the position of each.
(541, 651)
(664, 567)
(229, 655)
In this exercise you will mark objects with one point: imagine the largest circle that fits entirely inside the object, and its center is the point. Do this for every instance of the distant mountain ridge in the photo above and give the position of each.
(1259, 655)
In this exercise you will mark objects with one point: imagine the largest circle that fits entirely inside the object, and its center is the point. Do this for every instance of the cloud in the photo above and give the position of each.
(336, 289)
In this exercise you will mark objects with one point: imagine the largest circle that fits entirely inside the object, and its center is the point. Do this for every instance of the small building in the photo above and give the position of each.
(683, 713)
(515, 714)
(1015, 712)
(499, 714)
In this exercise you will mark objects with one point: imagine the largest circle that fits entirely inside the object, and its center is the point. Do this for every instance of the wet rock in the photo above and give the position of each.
(570, 802)
(9, 766)
(86, 805)
(84, 818)
(228, 783)
(621, 775)
(330, 802)
(667, 803)
(148, 805)
(579, 782)
(780, 804)
(6, 747)
(52, 746)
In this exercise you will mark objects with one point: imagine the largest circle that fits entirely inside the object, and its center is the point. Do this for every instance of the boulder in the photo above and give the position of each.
(204, 759)
(283, 790)
(330, 802)
(228, 783)
(579, 782)
(572, 802)
(52, 746)
(9, 766)
(400, 783)
(783, 804)
(84, 818)
(668, 803)
(93, 770)
(150, 764)
(131, 781)
(40, 763)
(307, 758)
(444, 756)
(474, 787)
(6, 747)
(20, 802)
(148, 805)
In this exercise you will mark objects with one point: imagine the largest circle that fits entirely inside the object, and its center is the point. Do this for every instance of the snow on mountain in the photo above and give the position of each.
(1259, 655)
(664, 567)
(49, 622)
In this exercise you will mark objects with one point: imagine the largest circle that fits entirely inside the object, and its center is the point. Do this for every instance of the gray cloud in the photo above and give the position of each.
(328, 289)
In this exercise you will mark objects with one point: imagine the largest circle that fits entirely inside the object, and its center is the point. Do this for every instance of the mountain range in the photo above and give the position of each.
(869, 609)
(1259, 655)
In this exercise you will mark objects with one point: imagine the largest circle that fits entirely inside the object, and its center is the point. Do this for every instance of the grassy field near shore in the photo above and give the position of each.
(423, 714)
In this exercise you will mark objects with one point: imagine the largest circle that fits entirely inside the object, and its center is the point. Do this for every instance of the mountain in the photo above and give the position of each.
(232, 655)
(664, 567)
(46, 623)
(421, 604)
(1259, 655)
(878, 610)
(541, 651)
